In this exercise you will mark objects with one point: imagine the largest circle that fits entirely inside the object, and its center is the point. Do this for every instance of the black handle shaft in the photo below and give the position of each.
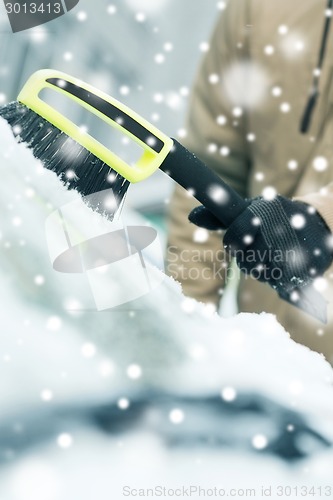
(205, 185)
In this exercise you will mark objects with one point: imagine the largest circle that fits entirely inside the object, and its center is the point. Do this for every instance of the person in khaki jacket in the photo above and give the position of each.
(261, 115)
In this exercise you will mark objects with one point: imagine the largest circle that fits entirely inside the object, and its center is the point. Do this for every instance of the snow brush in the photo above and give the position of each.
(84, 164)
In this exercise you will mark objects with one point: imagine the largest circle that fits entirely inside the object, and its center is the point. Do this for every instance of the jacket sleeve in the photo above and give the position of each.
(216, 134)
(323, 203)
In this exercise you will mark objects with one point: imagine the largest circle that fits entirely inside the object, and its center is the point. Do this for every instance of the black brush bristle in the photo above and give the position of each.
(75, 166)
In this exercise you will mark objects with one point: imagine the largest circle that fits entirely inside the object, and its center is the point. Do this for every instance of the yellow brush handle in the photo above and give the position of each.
(150, 159)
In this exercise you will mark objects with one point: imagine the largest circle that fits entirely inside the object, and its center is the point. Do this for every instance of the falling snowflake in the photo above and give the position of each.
(106, 368)
(221, 5)
(200, 235)
(173, 100)
(245, 84)
(46, 395)
(296, 387)
(251, 137)
(54, 323)
(320, 163)
(259, 441)
(70, 174)
(224, 151)
(140, 17)
(269, 193)
(61, 83)
(292, 164)
(88, 350)
(134, 371)
(228, 394)
(182, 132)
(248, 239)
(269, 50)
(123, 403)
(204, 47)
(320, 284)
(159, 58)
(111, 9)
(221, 120)
(213, 78)
(256, 221)
(237, 111)
(17, 129)
(83, 129)
(176, 416)
(147, 5)
(68, 56)
(155, 117)
(184, 91)
(197, 352)
(158, 97)
(124, 90)
(82, 16)
(292, 45)
(65, 440)
(259, 176)
(218, 194)
(298, 221)
(39, 34)
(188, 305)
(276, 91)
(285, 107)
(212, 148)
(209, 309)
(283, 29)
(299, 45)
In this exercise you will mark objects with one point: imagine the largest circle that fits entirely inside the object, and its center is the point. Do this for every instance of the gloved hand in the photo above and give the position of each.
(282, 242)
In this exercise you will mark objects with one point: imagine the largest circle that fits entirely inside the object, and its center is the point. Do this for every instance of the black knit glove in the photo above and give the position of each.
(285, 243)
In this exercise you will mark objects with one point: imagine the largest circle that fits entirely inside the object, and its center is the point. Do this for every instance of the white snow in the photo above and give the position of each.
(161, 343)
(285, 107)
(147, 6)
(292, 165)
(276, 91)
(320, 163)
(246, 83)
(293, 45)
(82, 16)
(269, 193)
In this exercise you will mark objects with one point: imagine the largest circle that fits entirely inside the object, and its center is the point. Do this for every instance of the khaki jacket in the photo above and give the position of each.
(244, 122)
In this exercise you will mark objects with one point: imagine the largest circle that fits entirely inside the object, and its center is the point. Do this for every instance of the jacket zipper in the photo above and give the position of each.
(314, 91)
